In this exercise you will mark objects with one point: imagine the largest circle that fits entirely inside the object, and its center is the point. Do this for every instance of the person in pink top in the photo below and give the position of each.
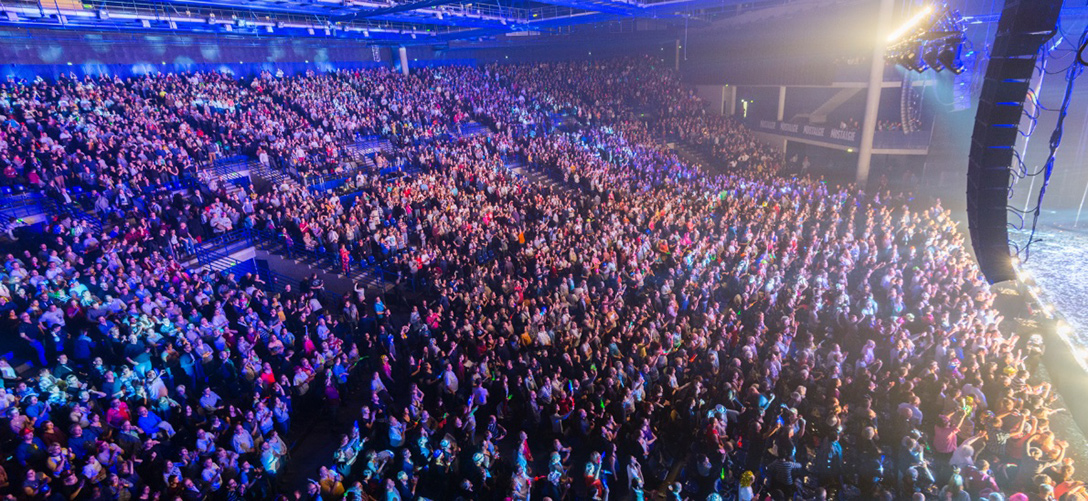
(946, 439)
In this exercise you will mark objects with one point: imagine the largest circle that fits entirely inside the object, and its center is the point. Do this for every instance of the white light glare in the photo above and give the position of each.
(911, 23)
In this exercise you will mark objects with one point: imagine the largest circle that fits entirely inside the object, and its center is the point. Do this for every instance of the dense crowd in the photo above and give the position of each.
(665, 330)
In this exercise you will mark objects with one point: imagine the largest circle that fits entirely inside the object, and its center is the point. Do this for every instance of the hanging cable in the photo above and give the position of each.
(1055, 142)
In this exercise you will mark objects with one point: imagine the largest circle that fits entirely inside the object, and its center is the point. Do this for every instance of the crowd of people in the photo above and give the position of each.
(664, 330)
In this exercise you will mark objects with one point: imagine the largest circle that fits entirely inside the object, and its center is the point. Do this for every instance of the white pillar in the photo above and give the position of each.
(872, 98)
(403, 51)
(731, 100)
(781, 103)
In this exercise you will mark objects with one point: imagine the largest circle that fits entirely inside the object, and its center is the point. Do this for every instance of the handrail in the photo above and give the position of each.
(219, 260)
(21, 205)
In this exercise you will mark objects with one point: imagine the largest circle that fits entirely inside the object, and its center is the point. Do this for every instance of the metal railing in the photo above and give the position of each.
(216, 254)
(216, 248)
(75, 211)
(21, 205)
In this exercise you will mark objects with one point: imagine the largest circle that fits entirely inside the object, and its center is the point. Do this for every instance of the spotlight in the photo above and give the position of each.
(931, 51)
(933, 38)
(949, 56)
(909, 59)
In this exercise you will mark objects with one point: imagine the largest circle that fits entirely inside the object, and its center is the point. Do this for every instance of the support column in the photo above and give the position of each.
(781, 103)
(872, 98)
(730, 100)
(403, 51)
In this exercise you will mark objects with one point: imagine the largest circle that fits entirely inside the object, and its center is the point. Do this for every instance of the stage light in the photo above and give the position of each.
(949, 56)
(933, 42)
(1064, 329)
(909, 59)
(929, 55)
(911, 23)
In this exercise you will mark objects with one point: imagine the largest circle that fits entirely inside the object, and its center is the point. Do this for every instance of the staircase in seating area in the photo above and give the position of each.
(694, 156)
(360, 155)
(21, 204)
(221, 255)
(472, 129)
(370, 144)
(536, 176)
(270, 174)
(75, 211)
(233, 173)
(216, 252)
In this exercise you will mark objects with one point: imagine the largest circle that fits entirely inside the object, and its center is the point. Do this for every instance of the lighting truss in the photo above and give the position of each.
(933, 38)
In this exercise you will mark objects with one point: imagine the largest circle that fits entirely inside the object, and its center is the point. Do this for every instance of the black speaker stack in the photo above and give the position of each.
(1025, 25)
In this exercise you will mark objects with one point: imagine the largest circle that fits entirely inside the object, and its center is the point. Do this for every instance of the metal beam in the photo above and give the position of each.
(446, 20)
(317, 9)
(488, 22)
(652, 10)
(391, 10)
(589, 5)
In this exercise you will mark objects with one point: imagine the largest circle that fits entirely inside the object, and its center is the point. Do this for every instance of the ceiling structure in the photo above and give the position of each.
(403, 22)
